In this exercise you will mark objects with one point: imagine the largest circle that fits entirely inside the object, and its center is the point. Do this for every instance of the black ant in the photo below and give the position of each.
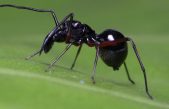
(111, 45)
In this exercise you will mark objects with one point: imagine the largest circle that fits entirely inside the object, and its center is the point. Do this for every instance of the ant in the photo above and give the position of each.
(111, 45)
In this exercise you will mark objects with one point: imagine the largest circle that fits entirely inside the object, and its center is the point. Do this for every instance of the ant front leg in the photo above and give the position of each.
(141, 65)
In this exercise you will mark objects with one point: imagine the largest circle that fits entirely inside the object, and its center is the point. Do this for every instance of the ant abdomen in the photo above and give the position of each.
(113, 55)
(113, 58)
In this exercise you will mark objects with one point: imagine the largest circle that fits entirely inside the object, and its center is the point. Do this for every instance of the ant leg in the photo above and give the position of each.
(70, 16)
(128, 75)
(66, 18)
(34, 9)
(95, 64)
(77, 54)
(141, 65)
(57, 59)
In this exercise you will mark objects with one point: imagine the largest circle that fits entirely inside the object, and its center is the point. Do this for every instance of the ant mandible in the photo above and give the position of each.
(111, 45)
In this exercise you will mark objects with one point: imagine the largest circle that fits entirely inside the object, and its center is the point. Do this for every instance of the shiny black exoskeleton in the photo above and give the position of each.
(79, 34)
(111, 45)
(115, 55)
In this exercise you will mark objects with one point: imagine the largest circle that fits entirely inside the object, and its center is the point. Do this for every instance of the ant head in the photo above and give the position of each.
(47, 44)
(109, 35)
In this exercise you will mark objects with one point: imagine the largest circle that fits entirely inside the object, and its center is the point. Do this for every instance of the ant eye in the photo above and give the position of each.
(110, 37)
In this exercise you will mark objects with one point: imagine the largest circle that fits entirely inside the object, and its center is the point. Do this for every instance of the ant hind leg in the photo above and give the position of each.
(128, 75)
(141, 65)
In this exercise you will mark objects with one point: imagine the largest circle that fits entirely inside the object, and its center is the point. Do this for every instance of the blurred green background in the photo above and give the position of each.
(25, 84)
